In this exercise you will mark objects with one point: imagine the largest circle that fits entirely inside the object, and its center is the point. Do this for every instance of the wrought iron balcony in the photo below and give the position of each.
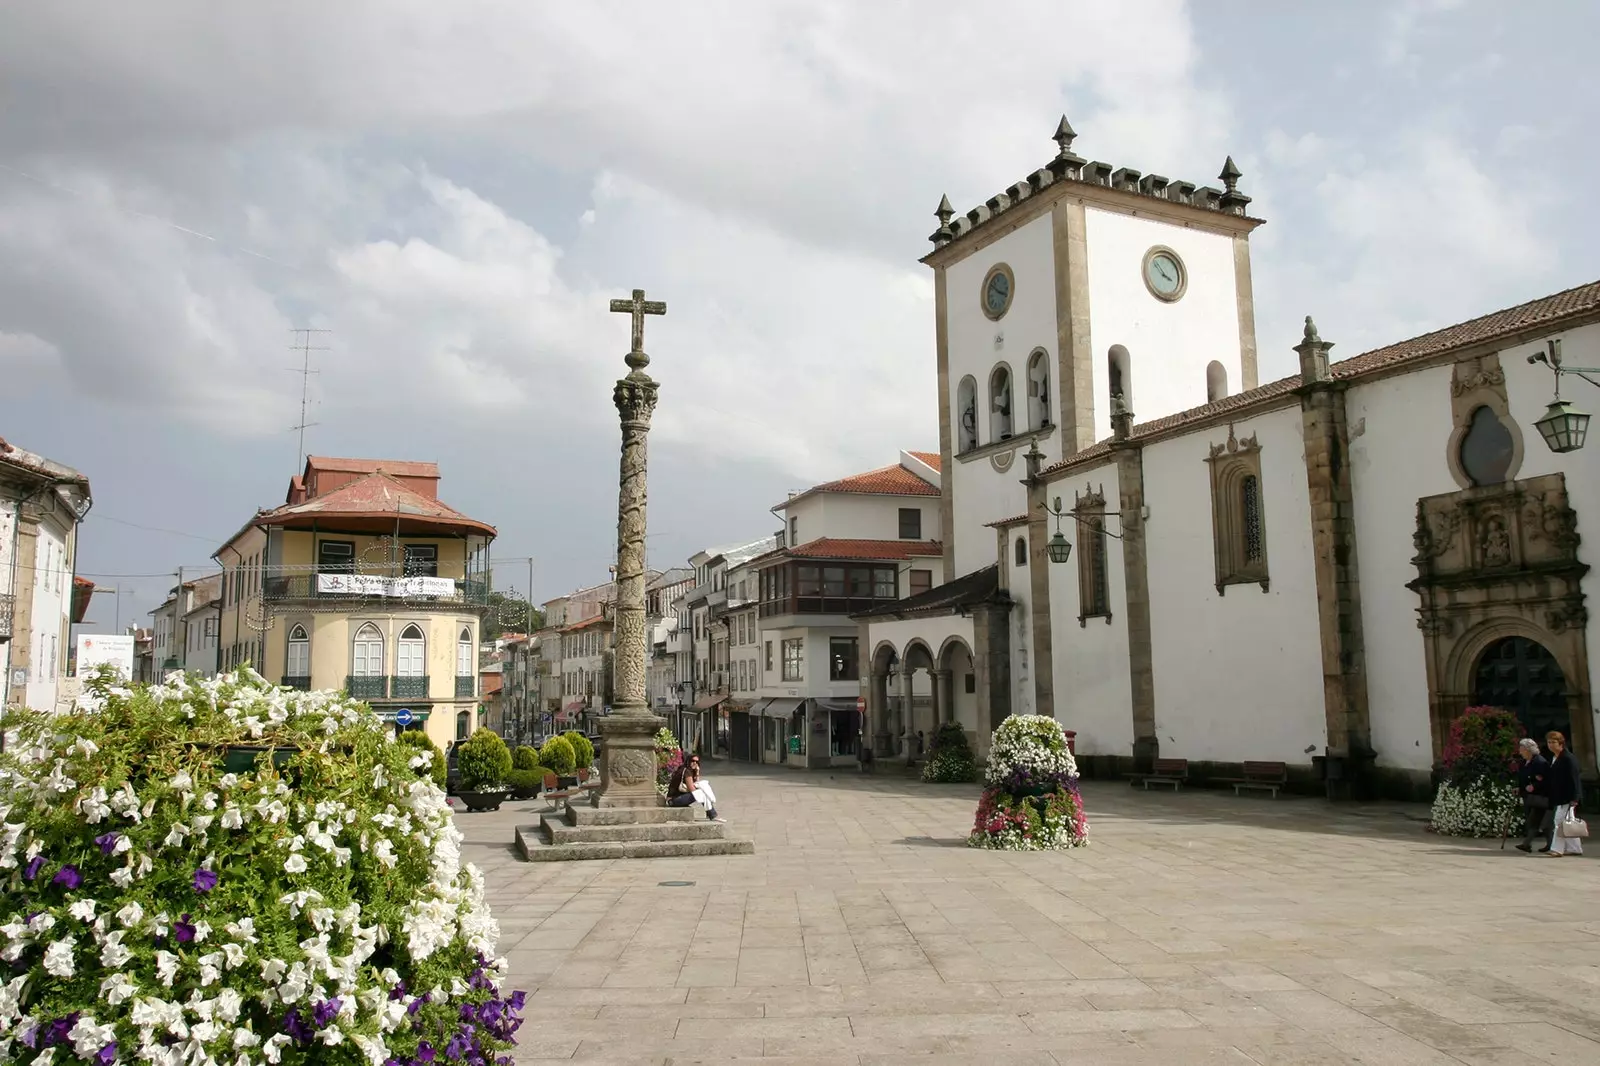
(367, 688)
(466, 686)
(294, 681)
(328, 590)
(408, 688)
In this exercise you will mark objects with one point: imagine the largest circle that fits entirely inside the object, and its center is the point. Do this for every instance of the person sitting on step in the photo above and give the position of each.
(686, 788)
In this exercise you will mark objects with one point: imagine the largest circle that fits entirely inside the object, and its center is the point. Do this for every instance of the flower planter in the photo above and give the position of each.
(242, 758)
(483, 801)
(524, 793)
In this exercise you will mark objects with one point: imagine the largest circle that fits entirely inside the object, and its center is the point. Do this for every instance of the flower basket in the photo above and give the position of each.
(484, 801)
(160, 907)
(243, 758)
(1031, 800)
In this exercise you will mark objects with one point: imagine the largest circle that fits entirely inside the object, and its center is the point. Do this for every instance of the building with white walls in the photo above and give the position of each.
(188, 626)
(1321, 571)
(716, 711)
(42, 507)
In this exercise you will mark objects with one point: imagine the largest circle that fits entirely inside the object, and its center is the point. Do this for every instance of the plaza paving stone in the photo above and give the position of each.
(1197, 928)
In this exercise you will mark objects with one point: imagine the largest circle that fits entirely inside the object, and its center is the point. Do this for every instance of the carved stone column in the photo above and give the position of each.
(944, 709)
(878, 711)
(908, 708)
(627, 761)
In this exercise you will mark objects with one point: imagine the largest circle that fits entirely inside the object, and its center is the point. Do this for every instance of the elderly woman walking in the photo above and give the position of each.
(1533, 785)
(1566, 790)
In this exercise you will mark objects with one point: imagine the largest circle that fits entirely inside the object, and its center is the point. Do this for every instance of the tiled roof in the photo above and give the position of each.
(893, 480)
(933, 459)
(372, 496)
(586, 623)
(1498, 325)
(1014, 520)
(840, 548)
(12, 455)
(396, 467)
(980, 586)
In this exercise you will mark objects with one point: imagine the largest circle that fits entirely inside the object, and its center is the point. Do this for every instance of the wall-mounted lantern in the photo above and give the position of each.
(1563, 427)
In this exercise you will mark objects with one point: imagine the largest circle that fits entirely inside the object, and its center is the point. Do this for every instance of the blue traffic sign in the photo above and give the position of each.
(404, 717)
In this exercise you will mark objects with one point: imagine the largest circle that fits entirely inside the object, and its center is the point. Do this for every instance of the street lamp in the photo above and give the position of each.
(1563, 427)
(1058, 547)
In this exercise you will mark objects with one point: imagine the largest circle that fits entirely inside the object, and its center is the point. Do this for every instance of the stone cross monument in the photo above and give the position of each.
(627, 757)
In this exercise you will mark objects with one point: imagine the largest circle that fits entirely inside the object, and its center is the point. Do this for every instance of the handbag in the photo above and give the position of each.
(1573, 828)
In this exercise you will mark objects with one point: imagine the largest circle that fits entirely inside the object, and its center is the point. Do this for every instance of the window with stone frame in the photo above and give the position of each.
(1094, 587)
(1238, 513)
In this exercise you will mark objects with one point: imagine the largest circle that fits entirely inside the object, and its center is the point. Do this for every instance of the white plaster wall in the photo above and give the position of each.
(814, 681)
(860, 516)
(1092, 689)
(934, 632)
(1237, 676)
(975, 346)
(1169, 344)
(1024, 700)
(52, 607)
(1410, 416)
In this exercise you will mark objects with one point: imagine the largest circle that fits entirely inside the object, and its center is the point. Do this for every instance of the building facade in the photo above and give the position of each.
(42, 507)
(187, 627)
(363, 580)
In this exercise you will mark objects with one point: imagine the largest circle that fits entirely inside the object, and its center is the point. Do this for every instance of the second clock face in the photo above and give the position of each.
(998, 286)
(1163, 273)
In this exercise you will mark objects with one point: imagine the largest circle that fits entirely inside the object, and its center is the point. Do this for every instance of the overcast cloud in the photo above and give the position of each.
(456, 190)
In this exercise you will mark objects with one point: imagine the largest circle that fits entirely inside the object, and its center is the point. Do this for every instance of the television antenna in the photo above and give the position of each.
(304, 346)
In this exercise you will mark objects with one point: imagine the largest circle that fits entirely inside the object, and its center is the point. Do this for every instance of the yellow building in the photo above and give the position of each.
(363, 581)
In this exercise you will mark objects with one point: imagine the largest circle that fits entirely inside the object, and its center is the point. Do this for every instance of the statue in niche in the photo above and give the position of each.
(1496, 542)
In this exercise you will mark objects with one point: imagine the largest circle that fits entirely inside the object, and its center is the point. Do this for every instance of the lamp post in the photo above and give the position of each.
(1058, 547)
(1563, 427)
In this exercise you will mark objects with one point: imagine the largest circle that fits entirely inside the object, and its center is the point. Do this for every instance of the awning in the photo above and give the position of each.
(780, 708)
(837, 706)
(705, 703)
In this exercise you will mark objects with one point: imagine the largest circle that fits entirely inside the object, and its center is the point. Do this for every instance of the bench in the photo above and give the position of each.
(1174, 772)
(1262, 777)
(586, 781)
(554, 793)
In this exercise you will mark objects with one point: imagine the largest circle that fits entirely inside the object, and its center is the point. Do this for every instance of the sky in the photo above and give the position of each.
(455, 191)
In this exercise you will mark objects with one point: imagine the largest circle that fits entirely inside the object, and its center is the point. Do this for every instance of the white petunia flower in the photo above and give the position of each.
(166, 967)
(58, 959)
(295, 864)
(118, 988)
(131, 914)
(83, 910)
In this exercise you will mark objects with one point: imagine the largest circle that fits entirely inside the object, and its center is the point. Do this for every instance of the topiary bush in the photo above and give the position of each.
(582, 749)
(1030, 800)
(950, 758)
(159, 907)
(557, 755)
(1479, 791)
(484, 760)
(436, 768)
(525, 758)
(524, 784)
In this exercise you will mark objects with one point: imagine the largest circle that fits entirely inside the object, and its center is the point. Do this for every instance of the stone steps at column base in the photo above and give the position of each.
(558, 830)
(588, 814)
(532, 846)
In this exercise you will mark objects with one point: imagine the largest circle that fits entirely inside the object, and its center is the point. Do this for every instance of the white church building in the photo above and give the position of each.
(1320, 571)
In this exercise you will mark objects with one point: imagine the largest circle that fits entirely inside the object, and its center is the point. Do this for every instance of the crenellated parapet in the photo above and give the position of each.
(1067, 166)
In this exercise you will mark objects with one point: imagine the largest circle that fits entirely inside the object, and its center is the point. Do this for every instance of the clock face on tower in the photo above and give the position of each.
(998, 287)
(1164, 274)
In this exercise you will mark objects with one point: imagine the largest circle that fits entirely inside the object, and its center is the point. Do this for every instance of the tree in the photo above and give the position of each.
(508, 614)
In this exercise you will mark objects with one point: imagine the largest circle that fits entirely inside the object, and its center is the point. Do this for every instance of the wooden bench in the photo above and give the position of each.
(1262, 777)
(586, 781)
(554, 793)
(1174, 772)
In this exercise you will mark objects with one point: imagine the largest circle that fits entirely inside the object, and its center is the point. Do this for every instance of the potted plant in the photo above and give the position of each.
(526, 774)
(160, 875)
(1478, 793)
(950, 757)
(582, 749)
(1030, 800)
(484, 761)
(558, 757)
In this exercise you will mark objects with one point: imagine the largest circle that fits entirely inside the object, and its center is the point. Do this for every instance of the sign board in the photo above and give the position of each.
(100, 649)
(403, 717)
(861, 704)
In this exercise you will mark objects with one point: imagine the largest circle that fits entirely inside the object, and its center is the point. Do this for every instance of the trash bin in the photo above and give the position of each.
(1072, 741)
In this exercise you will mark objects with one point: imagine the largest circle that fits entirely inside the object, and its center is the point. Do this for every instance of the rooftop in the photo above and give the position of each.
(1069, 167)
(859, 550)
(1569, 305)
(980, 586)
(378, 500)
(892, 480)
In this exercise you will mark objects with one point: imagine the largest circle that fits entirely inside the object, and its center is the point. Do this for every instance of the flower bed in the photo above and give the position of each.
(1030, 800)
(1479, 794)
(950, 757)
(160, 909)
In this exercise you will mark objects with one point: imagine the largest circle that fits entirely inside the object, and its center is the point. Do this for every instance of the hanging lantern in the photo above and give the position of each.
(1563, 427)
(1059, 548)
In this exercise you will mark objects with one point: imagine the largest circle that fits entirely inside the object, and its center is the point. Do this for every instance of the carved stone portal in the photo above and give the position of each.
(1494, 563)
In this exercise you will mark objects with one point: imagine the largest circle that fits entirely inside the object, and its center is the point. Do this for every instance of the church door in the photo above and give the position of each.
(1522, 676)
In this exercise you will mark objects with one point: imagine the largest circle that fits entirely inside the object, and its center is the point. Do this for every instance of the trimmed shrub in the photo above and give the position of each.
(1479, 792)
(525, 783)
(668, 758)
(950, 758)
(436, 768)
(557, 755)
(1031, 802)
(525, 758)
(582, 749)
(484, 760)
(161, 902)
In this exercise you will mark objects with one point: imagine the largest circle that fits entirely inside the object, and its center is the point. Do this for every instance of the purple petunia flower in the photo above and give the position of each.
(518, 999)
(398, 990)
(68, 876)
(425, 1052)
(297, 1029)
(325, 1012)
(205, 880)
(107, 1055)
(184, 930)
(30, 871)
(107, 842)
(58, 1031)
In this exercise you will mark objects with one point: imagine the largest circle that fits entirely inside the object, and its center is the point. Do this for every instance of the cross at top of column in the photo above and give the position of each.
(638, 307)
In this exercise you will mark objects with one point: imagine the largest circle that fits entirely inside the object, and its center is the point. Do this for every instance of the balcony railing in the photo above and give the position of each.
(408, 688)
(466, 687)
(7, 606)
(367, 688)
(330, 588)
(294, 681)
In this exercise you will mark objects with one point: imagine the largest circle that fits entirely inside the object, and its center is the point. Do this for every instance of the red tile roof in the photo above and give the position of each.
(1014, 520)
(838, 548)
(1504, 325)
(893, 480)
(373, 497)
(933, 459)
(396, 467)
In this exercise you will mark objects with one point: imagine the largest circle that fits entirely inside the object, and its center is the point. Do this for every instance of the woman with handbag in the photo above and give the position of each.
(1533, 784)
(1566, 790)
